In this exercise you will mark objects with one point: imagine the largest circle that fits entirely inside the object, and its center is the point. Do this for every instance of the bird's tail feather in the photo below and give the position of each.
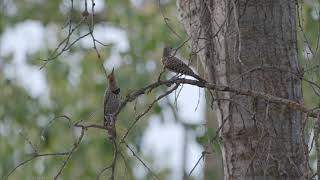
(199, 78)
(109, 123)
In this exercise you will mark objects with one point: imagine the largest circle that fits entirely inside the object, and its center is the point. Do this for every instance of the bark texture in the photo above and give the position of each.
(251, 44)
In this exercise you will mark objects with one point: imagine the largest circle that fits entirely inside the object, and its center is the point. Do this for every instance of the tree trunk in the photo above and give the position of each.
(251, 45)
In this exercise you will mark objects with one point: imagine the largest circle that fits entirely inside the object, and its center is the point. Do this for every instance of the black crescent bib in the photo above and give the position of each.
(117, 91)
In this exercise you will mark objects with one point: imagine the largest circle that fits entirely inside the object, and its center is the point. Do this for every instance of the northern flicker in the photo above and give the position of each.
(176, 65)
(111, 104)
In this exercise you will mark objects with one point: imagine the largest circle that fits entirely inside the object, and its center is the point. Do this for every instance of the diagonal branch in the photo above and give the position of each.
(240, 91)
(144, 164)
(32, 158)
(75, 146)
(147, 110)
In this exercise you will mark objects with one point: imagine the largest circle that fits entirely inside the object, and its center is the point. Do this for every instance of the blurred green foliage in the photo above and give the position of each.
(308, 48)
(24, 118)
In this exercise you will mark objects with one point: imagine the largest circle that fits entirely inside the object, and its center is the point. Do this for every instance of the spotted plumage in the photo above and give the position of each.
(176, 65)
(111, 104)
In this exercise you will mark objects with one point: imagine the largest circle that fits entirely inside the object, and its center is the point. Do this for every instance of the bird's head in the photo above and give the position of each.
(110, 76)
(167, 51)
(112, 81)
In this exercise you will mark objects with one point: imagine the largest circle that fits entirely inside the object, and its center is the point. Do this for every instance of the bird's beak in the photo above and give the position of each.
(111, 74)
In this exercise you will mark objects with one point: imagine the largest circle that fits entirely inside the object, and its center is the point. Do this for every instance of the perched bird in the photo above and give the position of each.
(111, 103)
(176, 65)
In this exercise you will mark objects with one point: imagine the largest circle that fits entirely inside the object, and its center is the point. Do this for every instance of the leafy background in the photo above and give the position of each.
(74, 83)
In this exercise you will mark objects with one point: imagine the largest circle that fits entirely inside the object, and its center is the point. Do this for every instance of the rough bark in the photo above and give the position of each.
(251, 44)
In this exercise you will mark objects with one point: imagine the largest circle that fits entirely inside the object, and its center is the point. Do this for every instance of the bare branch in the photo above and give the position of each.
(240, 91)
(147, 110)
(32, 158)
(144, 164)
(75, 146)
(203, 154)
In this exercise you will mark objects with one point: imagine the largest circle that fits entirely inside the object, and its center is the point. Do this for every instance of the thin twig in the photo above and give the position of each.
(32, 158)
(144, 164)
(147, 110)
(201, 157)
(75, 146)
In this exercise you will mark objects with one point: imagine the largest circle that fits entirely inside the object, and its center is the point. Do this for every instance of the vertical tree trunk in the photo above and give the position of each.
(252, 45)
